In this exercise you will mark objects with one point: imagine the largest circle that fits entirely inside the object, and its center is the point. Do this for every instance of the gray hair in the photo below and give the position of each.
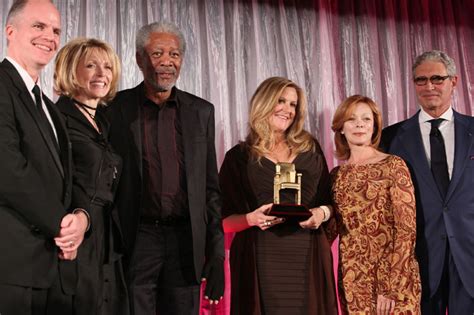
(144, 33)
(436, 56)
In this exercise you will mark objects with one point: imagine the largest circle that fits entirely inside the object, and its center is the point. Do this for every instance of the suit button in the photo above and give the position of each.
(445, 208)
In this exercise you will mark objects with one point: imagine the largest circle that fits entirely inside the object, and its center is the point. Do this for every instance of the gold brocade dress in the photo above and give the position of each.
(375, 207)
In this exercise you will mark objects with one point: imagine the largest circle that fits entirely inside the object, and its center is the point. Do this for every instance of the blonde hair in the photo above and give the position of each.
(68, 58)
(260, 138)
(343, 113)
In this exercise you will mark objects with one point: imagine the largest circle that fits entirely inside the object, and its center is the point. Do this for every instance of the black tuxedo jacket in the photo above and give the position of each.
(197, 121)
(438, 219)
(35, 186)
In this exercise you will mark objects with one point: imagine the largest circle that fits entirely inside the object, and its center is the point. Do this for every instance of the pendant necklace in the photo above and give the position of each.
(86, 108)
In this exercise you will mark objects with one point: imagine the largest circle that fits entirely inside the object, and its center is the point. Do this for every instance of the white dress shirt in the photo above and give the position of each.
(29, 85)
(447, 130)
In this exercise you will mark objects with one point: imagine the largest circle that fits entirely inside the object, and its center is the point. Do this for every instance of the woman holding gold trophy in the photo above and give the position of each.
(279, 264)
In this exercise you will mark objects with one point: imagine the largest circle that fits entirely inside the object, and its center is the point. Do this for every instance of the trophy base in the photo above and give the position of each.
(290, 211)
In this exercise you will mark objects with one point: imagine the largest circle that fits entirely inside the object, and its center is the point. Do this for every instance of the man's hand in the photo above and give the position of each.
(71, 235)
(213, 275)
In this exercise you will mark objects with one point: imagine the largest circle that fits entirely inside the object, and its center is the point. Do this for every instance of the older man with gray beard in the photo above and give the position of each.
(169, 198)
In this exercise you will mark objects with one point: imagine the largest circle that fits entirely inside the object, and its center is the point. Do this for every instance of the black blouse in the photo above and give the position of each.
(96, 166)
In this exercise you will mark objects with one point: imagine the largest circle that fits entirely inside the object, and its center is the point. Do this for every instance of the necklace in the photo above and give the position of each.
(86, 108)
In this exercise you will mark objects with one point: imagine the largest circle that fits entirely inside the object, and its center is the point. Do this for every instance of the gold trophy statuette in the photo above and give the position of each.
(287, 178)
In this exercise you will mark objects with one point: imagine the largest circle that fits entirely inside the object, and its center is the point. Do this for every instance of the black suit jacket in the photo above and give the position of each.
(35, 186)
(438, 219)
(197, 121)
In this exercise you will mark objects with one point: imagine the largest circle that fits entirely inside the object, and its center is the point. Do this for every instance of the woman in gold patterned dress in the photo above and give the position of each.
(374, 202)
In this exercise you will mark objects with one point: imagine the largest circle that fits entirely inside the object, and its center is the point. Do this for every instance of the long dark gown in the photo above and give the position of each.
(101, 287)
(285, 269)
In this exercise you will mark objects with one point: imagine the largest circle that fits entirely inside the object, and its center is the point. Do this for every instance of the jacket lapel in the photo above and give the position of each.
(463, 142)
(62, 138)
(66, 106)
(188, 118)
(131, 112)
(411, 140)
(25, 96)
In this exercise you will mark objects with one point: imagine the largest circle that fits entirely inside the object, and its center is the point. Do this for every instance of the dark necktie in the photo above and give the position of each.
(439, 165)
(43, 119)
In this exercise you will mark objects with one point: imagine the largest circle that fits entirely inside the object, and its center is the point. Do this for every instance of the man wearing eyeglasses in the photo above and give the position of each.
(438, 145)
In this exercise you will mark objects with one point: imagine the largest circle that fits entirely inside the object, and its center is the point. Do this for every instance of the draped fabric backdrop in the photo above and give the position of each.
(331, 48)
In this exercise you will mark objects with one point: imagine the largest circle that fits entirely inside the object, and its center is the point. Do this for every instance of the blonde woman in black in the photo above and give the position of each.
(277, 267)
(86, 77)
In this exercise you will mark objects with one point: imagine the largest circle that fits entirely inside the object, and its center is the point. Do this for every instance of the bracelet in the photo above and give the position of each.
(77, 210)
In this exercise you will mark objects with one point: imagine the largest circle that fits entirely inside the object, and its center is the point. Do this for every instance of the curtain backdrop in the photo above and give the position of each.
(331, 48)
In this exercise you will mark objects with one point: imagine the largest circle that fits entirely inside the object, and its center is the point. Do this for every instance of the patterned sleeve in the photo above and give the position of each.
(323, 197)
(333, 226)
(402, 264)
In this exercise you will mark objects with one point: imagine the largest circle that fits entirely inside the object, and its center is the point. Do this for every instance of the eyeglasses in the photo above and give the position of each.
(434, 79)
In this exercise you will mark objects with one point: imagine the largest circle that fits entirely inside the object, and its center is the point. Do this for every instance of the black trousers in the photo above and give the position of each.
(162, 276)
(18, 300)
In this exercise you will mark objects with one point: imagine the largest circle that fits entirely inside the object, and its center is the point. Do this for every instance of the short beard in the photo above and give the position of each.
(160, 88)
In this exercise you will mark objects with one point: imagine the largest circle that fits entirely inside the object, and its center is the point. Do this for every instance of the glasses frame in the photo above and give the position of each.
(434, 79)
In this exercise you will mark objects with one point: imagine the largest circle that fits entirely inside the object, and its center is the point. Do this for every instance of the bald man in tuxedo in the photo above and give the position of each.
(39, 235)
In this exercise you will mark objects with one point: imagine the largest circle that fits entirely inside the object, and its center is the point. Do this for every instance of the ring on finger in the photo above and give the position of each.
(71, 243)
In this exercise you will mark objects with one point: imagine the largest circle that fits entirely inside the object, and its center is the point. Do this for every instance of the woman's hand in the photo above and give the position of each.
(259, 218)
(315, 220)
(385, 306)
(71, 234)
(67, 255)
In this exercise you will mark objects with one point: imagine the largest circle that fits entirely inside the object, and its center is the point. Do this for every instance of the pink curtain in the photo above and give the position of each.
(332, 48)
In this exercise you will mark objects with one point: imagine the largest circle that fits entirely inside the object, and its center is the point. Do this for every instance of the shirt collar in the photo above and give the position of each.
(171, 101)
(24, 75)
(425, 117)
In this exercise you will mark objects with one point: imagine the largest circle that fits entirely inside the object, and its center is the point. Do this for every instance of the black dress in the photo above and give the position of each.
(285, 269)
(101, 287)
